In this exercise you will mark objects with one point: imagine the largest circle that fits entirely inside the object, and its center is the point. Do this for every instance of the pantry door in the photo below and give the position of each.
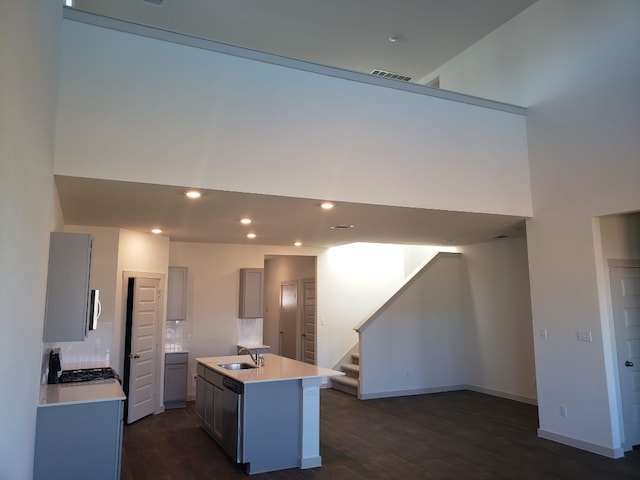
(288, 318)
(145, 318)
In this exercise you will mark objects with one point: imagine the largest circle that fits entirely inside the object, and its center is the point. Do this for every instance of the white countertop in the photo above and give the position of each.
(275, 368)
(253, 346)
(175, 349)
(80, 392)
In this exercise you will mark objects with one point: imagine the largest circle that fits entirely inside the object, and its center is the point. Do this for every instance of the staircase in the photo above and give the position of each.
(349, 382)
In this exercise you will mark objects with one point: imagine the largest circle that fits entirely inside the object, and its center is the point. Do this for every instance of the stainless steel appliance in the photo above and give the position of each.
(95, 309)
(232, 421)
(88, 375)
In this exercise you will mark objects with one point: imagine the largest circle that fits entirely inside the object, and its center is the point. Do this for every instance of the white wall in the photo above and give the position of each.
(575, 65)
(417, 343)
(353, 281)
(184, 99)
(498, 330)
(28, 75)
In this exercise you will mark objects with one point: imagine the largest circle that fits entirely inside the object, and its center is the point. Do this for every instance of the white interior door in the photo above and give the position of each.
(309, 321)
(625, 289)
(142, 370)
(288, 319)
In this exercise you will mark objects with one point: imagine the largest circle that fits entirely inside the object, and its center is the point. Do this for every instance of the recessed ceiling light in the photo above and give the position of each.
(156, 231)
(342, 227)
(251, 235)
(245, 221)
(297, 244)
(193, 194)
(327, 205)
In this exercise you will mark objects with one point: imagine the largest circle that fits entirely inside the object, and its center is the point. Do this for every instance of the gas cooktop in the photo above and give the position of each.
(87, 375)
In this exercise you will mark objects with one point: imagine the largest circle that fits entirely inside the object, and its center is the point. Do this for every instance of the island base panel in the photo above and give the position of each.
(272, 413)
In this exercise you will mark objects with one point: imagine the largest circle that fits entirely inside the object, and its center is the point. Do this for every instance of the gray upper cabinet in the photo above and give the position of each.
(68, 287)
(251, 292)
(177, 293)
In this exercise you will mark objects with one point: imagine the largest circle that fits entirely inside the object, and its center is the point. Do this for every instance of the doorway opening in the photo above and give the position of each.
(625, 296)
(289, 324)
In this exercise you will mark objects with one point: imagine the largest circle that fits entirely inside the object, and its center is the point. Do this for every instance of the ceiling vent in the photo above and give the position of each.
(157, 3)
(393, 76)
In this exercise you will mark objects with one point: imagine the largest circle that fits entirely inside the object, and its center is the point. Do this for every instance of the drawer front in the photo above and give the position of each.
(213, 377)
(176, 358)
(200, 369)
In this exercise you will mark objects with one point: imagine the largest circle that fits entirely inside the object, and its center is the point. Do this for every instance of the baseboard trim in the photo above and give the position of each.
(311, 462)
(499, 393)
(581, 444)
(406, 393)
(449, 388)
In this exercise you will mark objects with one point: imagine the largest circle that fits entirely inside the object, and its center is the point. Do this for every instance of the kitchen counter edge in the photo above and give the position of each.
(77, 393)
(276, 368)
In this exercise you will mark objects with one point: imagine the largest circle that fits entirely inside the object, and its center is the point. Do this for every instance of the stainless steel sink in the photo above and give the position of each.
(236, 366)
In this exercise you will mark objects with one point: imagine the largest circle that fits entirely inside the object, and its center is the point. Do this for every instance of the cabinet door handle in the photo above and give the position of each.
(628, 364)
(134, 355)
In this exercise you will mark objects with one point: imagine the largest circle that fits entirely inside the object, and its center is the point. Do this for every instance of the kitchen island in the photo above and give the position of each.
(267, 416)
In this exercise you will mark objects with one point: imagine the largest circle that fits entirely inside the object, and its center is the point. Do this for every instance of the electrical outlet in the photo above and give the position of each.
(563, 411)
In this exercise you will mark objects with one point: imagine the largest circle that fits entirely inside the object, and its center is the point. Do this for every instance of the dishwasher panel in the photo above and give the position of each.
(232, 421)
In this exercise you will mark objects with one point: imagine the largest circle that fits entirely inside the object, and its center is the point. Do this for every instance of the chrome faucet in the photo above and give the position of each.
(258, 360)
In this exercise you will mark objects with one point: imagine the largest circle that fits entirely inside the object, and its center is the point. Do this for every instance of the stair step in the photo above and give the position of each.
(355, 358)
(345, 384)
(351, 369)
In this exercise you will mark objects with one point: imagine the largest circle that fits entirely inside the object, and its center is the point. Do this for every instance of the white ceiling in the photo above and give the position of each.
(215, 217)
(350, 34)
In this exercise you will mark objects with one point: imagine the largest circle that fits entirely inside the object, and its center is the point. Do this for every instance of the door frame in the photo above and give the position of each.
(301, 307)
(612, 264)
(158, 382)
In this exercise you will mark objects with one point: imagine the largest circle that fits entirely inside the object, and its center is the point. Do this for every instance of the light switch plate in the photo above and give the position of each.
(584, 336)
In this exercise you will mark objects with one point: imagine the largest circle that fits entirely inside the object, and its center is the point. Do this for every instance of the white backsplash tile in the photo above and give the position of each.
(250, 331)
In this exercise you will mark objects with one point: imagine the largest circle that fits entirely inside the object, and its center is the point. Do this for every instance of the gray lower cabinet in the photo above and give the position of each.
(175, 379)
(209, 401)
(79, 441)
(200, 398)
(269, 420)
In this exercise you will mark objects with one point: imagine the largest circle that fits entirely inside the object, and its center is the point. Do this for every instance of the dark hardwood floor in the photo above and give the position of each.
(454, 435)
